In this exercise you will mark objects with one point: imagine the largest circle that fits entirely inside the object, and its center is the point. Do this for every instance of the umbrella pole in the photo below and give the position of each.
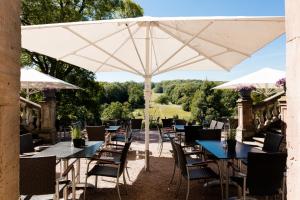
(147, 94)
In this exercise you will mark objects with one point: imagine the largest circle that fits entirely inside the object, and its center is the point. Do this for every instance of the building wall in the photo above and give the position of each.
(293, 97)
(10, 46)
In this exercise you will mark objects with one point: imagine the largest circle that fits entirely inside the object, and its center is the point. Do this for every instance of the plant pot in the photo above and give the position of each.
(77, 143)
(231, 145)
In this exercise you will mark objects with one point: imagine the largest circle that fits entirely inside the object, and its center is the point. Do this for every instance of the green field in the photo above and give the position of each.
(162, 111)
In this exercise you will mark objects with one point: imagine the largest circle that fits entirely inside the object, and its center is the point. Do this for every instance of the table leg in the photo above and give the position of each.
(65, 166)
(78, 171)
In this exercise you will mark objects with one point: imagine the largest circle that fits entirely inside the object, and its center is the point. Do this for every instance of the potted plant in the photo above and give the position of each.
(281, 83)
(245, 91)
(76, 137)
(231, 141)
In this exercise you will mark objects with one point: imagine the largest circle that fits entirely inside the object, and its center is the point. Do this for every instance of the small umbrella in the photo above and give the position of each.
(33, 79)
(263, 78)
(148, 46)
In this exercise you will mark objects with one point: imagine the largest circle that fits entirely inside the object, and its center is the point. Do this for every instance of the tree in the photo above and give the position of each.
(116, 110)
(206, 103)
(163, 99)
(135, 95)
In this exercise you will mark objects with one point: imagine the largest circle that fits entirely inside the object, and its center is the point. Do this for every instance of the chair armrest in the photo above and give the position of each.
(193, 153)
(230, 164)
(241, 174)
(69, 168)
(112, 144)
(203, 163)
(110, 151)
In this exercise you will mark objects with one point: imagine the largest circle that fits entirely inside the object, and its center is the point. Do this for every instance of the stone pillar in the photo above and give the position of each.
(245, 127)
(48, 117)
(293, 97)
(10, 48)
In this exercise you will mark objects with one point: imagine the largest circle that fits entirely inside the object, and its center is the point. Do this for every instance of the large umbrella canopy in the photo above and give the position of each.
(33, 79)
(149, 46)
(263, 78)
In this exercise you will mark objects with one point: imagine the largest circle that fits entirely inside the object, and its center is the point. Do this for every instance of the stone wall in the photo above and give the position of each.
(10, 47)
(293, 97)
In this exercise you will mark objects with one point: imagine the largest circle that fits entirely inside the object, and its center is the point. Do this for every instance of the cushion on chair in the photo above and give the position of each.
(202, 173)
(99, 170)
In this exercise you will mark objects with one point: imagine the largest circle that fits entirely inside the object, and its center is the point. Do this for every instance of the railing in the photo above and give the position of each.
(267, 112)
(30, 114)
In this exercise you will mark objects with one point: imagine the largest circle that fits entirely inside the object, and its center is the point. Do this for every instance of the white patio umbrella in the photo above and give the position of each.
(263, 78)
(33, 79)
(148, 46)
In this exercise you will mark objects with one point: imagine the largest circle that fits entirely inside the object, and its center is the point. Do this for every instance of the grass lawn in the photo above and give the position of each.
(162, 111)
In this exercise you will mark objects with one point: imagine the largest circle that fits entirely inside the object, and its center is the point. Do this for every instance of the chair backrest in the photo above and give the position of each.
(219, 125)
(37, 175)
(210, 134)
(272, 142)
(265, 172)
(136, 124)
(113, 122)
(166, 123)
(95, 133)
(181, 159)
(213, 124)
(192, 133)
(175, 155)
(26, 143)
(180, 122)
(123, 157)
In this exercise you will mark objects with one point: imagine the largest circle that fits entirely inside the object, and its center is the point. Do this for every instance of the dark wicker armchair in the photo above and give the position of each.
(38, 177)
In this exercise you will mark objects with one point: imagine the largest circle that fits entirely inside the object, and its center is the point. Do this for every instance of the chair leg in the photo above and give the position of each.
(85, 186)
(174, 169)
(126, 169)
(96, 181)
(178, 187)
(125, 184)
(188, 190)
(118, 189)
(161, 148)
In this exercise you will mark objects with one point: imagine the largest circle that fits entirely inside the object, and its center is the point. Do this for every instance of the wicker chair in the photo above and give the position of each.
(163, 137)
(109, 168)
(95, 133)
(189, 159)
(135, 126)
(265, 174)
(196, 171)
(38, 177)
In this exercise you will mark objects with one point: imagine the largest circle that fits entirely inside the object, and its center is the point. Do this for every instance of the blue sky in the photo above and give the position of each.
(273, 55)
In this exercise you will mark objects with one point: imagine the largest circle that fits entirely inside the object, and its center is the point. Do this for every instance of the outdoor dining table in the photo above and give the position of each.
(65, 151)
(220, 151)
(179, 128)
(112, 128)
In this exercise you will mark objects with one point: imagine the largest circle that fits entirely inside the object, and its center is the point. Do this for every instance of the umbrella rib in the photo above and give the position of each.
(184, 45)
(113, 66)
(135, 47)
(104, 51)
(207, 40)
(200, 52)
(153, 47)
(183, 64)
(178, 63)
(103, 38)
(106, 60)
(179, 66)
